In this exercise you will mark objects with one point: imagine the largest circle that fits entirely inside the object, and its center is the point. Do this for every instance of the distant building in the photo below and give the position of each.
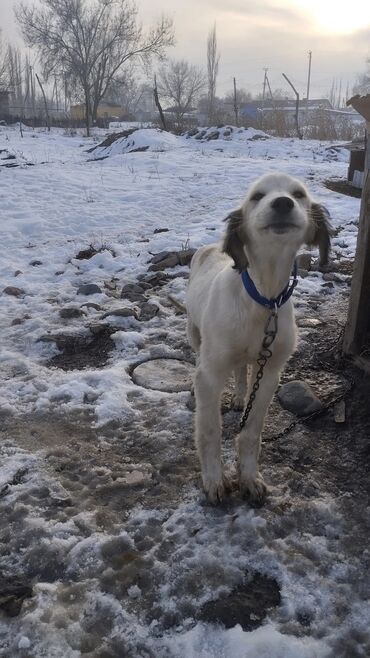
(106, 110)
(253, 109)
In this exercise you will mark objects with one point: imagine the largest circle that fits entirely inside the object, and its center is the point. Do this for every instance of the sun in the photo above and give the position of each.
(336, 16)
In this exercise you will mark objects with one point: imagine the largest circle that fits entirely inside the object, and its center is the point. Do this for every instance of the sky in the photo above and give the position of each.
(254, 34)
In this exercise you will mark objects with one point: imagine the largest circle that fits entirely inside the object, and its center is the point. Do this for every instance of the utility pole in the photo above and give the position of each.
(263, 94)
(235, 104)
(308, 80)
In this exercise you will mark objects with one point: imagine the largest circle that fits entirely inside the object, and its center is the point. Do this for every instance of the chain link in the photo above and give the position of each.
(264, 354)
(270, 331)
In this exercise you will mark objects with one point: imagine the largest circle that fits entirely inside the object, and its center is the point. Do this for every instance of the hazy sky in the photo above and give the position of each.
(253, 34)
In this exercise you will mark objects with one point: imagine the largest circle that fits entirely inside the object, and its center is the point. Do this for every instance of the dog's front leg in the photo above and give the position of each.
(249, 440)
(209, 384)
(240, 376)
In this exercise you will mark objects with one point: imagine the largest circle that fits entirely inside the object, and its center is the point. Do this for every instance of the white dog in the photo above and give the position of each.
(226, 325)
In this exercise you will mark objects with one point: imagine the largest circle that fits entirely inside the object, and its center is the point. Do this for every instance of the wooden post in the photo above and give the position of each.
(358, 321)
(300, 135)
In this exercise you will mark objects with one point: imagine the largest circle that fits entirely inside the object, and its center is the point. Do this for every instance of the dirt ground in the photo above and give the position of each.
(107, 472)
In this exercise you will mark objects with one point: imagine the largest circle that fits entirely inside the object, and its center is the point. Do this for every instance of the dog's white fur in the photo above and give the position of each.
(226, 327)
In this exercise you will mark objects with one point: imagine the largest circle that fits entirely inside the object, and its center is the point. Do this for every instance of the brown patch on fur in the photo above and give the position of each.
(235, 239)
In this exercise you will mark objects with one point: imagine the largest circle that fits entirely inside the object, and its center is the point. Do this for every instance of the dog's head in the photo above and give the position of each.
(278, 211)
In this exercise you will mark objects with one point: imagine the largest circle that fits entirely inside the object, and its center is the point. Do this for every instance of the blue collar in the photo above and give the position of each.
(274, 301)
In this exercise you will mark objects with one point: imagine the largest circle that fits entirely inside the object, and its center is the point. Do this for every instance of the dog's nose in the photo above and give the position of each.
(282, 204)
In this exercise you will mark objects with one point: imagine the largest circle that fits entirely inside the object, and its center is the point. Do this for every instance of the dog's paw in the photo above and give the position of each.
(254, 489)
(216, 488)
(237, 402)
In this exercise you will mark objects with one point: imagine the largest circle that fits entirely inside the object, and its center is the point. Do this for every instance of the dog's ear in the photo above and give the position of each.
(320, 231)
(234, 241)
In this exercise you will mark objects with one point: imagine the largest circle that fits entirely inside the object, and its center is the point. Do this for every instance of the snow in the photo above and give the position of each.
(51, 210)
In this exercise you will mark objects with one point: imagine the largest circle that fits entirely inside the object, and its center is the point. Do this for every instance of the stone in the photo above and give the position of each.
(298, 397)
(96, 307)
(70, 312)
(18, 272)
(148, 311)
(125, 312)
(161, 256)
(214, 134)
(309, 323)
(16, 321)
(170, 261)
(13, 291)
(88, 289)
(185, 256)
(304, 261)
(35, 263)
(171, 375)
(161, 230)
(133, 292)
(302, 273)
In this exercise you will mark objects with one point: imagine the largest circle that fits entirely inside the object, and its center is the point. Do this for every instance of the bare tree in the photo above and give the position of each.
(4, 64)
(90, 41)
(213, 58)
(362, 85)
(181, 84)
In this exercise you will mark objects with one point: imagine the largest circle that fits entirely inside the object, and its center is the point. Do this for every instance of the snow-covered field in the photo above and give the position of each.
(129, 580)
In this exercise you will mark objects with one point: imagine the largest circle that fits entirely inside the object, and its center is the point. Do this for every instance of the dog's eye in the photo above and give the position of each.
(299, 194)
(257, 196)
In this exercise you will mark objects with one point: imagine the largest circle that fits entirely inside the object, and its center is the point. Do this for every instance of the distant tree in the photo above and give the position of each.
(4, 64)
(362, 84)
(242, 96)
(213, 58)
(181, 85)
(90, 41)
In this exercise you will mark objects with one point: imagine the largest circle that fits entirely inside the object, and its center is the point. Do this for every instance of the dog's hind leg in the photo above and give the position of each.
(209, 384)
(193, 335)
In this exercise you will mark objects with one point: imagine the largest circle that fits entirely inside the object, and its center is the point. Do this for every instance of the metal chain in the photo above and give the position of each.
(314, 414)
(270, 331)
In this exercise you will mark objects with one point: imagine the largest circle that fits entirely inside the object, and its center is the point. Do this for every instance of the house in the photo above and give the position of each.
(254, 109)
(106, 110)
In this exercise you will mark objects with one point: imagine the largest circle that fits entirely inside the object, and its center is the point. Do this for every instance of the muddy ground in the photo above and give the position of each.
(96, 477)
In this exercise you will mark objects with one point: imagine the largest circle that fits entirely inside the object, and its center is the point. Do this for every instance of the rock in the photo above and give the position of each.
(162, 255)
(214, 134)
(12, 595)
(327, 284)
(16, 321)
(304, 261)
(163, 374)
(13, 291)
(133, 292)
(340, 412)
(154, 279)
(299, 398)
(185, 256)
(170, 261)
(18, 272)
(70, 312)
(125, 312)
(302, 273)
(35, 263)
(148, 311)
(309, 322)
(331, 276)
(96, 307)
(88, 289)
(161, 230)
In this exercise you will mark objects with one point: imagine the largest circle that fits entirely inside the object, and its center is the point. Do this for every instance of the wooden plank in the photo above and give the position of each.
(358, 321)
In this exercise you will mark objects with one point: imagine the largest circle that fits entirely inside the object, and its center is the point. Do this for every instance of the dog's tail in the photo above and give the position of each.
(180, 307)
